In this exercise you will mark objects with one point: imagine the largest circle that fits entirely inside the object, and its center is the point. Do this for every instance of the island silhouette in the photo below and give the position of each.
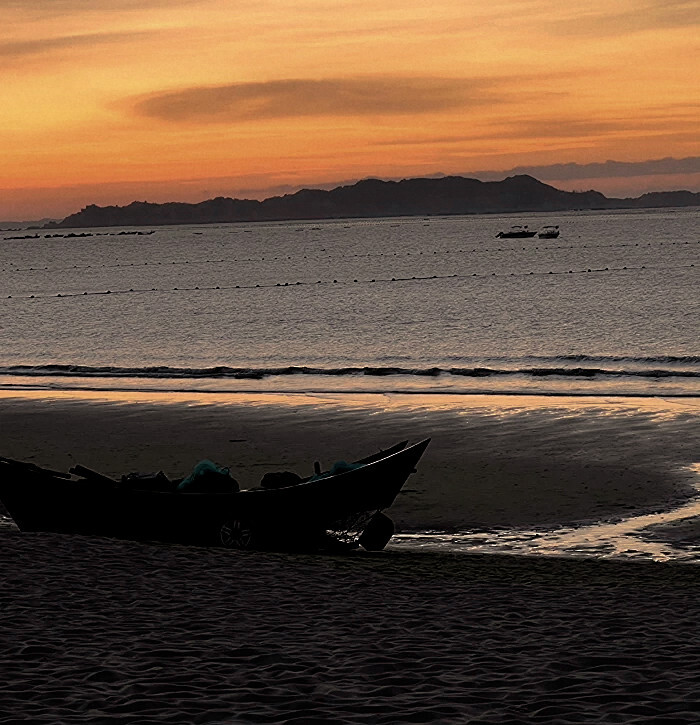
(375, 198)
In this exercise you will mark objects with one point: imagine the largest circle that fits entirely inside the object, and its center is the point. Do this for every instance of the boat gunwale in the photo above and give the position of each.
(304, 485)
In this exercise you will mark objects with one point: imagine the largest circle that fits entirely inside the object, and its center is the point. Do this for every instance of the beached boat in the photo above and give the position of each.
(516, 232)
(335, 509)
(549, 232)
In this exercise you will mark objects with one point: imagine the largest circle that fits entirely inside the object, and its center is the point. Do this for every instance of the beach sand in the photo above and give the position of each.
(100, 631)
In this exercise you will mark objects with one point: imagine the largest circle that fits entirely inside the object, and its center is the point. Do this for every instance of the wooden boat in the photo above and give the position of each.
(336, 509)
(549, 232)
(516, 232)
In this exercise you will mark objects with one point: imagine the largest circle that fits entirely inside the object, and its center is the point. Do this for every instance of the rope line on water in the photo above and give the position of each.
(318, 256)
(378, 280)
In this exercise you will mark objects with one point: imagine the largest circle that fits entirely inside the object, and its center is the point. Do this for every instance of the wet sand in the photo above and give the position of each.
(100, 631)
(494, 461)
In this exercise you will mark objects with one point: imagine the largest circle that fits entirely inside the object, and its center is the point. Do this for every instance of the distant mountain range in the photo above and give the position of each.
(375, 198)
(15, 226)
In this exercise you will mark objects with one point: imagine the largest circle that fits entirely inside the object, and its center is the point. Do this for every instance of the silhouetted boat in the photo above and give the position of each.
(516, 232)
(549, 232)
(339, 508)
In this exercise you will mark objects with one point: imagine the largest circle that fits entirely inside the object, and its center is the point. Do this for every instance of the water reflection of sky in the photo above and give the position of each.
(359, 383)
(662, 536)
(444, 401)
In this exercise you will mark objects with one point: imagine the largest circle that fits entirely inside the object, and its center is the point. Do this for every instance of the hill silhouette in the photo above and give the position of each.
(374, 198)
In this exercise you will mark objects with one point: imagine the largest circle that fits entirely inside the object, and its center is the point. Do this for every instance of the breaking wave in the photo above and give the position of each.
(650, 368)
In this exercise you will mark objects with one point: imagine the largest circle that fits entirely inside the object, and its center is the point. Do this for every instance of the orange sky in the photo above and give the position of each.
(113, 100)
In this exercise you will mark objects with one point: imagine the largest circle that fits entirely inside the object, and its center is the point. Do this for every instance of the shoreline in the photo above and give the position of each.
(9, 389)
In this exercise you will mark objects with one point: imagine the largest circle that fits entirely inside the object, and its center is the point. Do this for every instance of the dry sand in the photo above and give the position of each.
(99, 631)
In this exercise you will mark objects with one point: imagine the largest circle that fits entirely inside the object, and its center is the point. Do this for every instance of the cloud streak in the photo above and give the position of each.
(604, 170)
(52, 8)
(650, 15)
(678, 119)
(19, 49)
(359, 96)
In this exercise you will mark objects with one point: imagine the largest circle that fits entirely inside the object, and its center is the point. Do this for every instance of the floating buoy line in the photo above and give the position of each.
(335, 282)
(77, 235)
(320, 255)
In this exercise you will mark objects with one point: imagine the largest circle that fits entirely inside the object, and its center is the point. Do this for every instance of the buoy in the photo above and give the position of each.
(377, 532)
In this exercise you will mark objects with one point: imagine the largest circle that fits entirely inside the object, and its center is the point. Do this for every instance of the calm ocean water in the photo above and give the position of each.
(436, 304)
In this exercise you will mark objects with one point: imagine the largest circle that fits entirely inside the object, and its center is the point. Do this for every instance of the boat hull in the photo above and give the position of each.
(290, 517)
(515, 235)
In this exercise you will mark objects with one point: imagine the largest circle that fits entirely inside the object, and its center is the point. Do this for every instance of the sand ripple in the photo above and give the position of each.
(95, 631)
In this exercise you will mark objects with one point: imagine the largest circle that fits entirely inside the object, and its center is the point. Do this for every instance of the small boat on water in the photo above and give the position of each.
(549, 232)
(337, 509)
(516, 232)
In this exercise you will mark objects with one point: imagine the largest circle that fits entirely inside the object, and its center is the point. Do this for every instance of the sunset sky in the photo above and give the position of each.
(107, 101)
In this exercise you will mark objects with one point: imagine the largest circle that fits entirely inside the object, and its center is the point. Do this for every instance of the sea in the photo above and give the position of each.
(425, 305)
(435, 304)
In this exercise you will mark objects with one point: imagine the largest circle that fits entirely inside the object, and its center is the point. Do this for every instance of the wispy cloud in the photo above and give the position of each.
(679, 119)
(647, 15)
(604, 170)
(19, 49)
(65, 7)
(582, 128)
(359, 96)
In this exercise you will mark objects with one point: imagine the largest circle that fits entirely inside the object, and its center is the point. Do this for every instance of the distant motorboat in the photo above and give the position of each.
(516, 232)
(549, 232)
